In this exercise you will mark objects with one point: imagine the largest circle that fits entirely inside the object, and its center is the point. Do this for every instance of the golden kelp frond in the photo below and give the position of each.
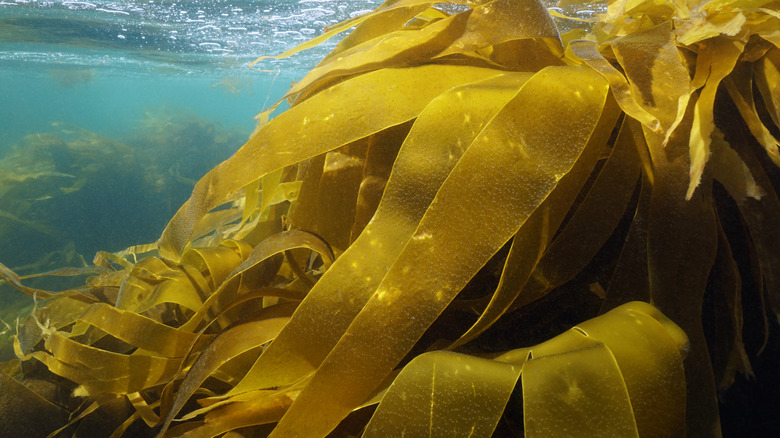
(440, 393)
(461, 179)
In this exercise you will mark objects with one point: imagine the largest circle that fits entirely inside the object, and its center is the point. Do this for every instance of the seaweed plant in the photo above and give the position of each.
(467, 223)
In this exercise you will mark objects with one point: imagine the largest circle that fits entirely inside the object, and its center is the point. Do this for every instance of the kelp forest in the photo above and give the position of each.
(479, 218)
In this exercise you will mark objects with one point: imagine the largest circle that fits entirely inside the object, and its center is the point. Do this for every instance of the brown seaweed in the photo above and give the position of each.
(399, 252)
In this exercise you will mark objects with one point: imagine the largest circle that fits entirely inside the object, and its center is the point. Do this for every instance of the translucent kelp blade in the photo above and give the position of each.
(767, 76)
(7, 275)
(595, 218)
(335, 201)
(588, 52)
(100, 371)
(378, 23)
(740, 88)
(377, 16)
(531, 240)
(139, 331)
(567, 394)
(649, 350)
(716, 59)
(216, 263)
(437, 140)
(626, 362)
(229, 344)
(402, 47)
(500, 21)
(318, 125)
(511, 167)
(445, 394)
(228, 291)
(485, 25)
(730, 170)
(658, 76)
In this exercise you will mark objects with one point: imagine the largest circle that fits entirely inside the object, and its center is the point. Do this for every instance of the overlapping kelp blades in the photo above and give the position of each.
(434, 145)
(315, 126)
(389, 279)
(593, 221)
(509, 170)
(612, 362)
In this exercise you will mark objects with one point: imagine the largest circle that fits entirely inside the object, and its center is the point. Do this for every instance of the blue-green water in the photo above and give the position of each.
(109, 111)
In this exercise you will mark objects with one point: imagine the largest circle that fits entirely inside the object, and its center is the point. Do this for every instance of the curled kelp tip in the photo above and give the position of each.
(412, 246)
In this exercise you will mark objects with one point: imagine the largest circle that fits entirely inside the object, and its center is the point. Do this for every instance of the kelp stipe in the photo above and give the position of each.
(449, 187)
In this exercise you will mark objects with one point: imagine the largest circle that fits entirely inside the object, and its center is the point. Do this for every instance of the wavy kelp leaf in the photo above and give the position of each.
(565, 394)
(500, 21)
(715, 61)
(587, 51)
(316, 126)
(531, 241)
(251, 273)
(100, 371)
(740, 88)
(593, 221)
(613, 362)
(380, 157)
(390, 9)
(443, 394)
(215, 264)
(228, 345)
(648, 348)
(729, 169)
(382, 21)
(656, 72)
(437, 140)
(401, 47)
(152, 282)
(342, 173)
(505, 174)
(139, 331)
(767, 77)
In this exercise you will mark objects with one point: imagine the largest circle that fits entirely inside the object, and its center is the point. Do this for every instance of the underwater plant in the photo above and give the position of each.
(467, 223)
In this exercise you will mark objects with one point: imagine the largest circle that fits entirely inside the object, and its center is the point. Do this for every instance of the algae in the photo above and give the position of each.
(456, 228)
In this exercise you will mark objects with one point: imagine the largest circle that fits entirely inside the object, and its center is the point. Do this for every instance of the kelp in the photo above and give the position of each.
(467, 220)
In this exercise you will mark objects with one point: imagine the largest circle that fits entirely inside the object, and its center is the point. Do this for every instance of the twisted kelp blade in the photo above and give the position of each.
(500, 21)
(505, 174)
(627, 362)
(715, 61)
(228, 345)
(315, 126)
(445, 394)
(402, 47)
(254, 271)
(566, 395)
(551, 265)
(437, 140)
(485, 25)
(407, 9)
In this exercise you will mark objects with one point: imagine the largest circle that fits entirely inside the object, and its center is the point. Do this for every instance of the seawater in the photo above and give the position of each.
(110, 111)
